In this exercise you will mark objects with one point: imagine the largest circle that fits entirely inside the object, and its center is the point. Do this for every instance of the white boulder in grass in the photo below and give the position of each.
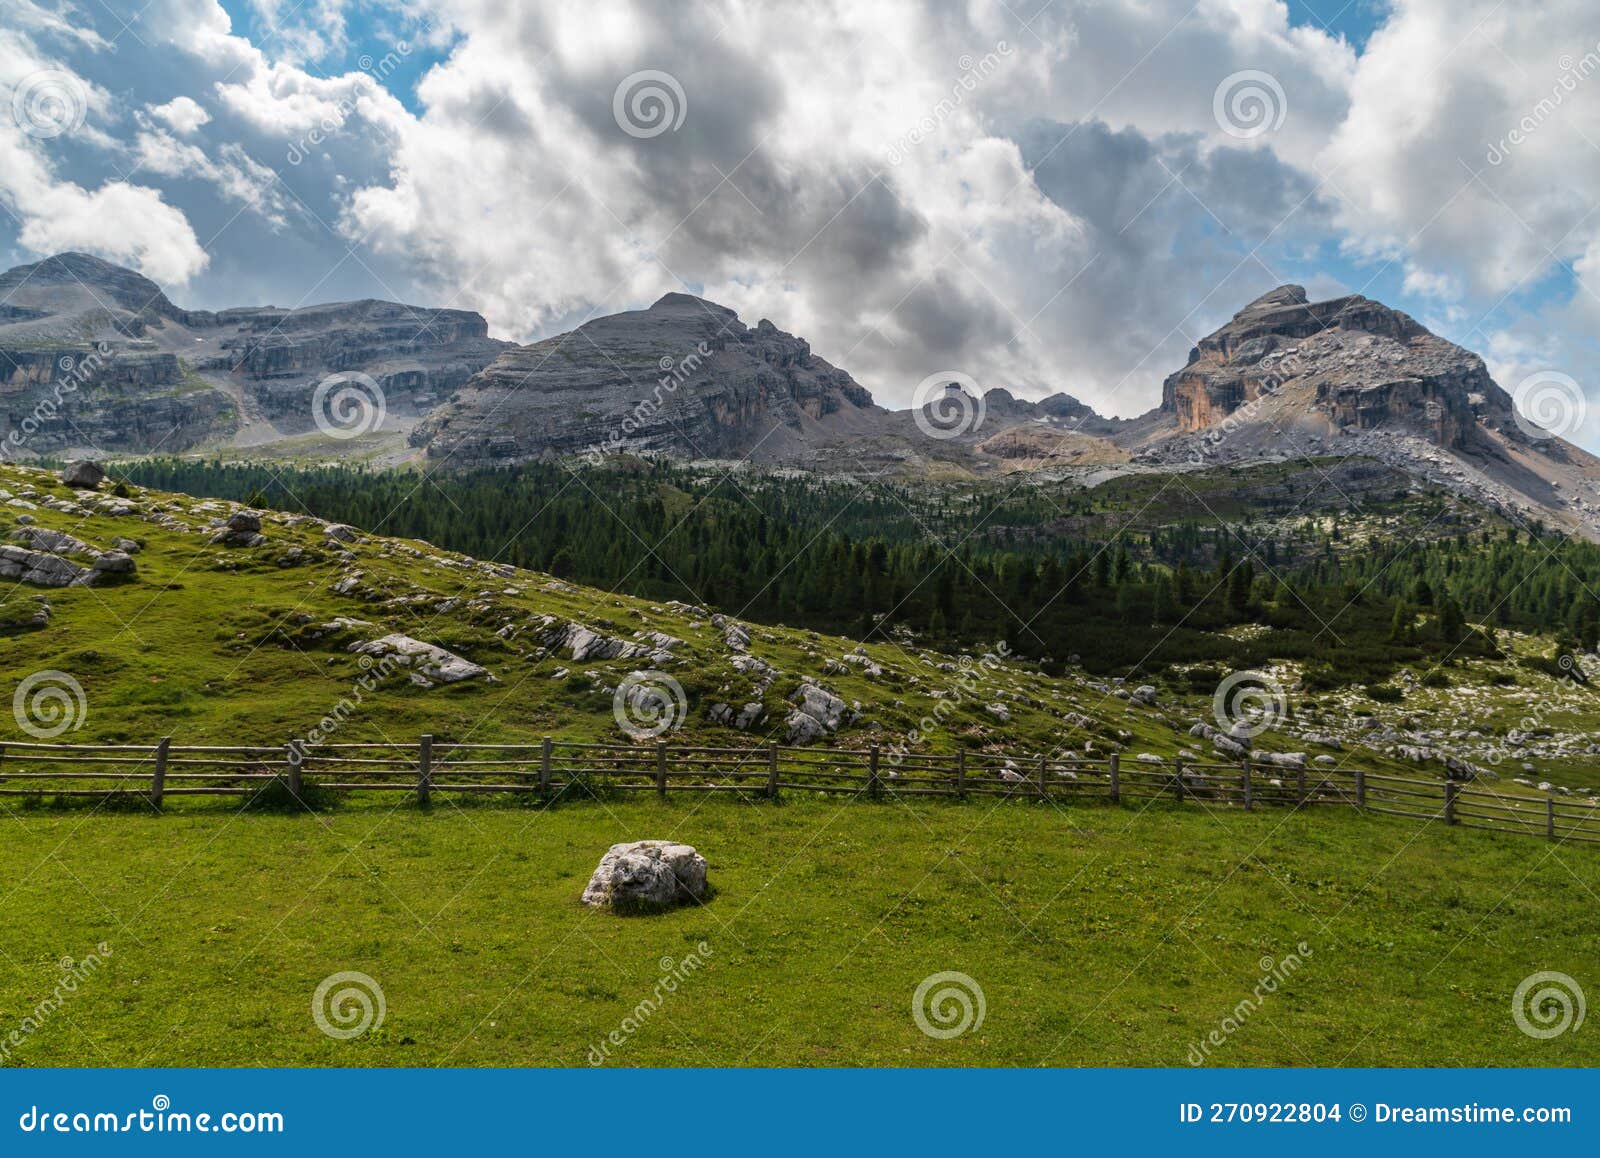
(647, 874)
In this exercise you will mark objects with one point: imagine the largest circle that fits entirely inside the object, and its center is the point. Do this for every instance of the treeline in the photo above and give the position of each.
(963, 567)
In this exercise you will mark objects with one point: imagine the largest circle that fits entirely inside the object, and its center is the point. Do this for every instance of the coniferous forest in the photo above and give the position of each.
(1056, 578)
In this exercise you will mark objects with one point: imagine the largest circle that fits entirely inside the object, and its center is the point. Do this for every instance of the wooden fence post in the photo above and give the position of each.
(1450, 790)
(961, 774)
(294, 758)
(1116, 787)
(1300, 783)
(1361, 789)
(424, 768)
(158, 778)
(544, 769)
(1177, 779)
(661, 769)
(772, 771)
(1044, 793)
(872, 772)
(1550, 817)
(1249, 795)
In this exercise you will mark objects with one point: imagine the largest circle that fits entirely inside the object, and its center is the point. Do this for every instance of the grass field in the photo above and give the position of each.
(1098, 935)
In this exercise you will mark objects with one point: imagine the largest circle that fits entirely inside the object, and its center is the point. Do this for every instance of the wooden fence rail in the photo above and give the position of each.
(554, 769)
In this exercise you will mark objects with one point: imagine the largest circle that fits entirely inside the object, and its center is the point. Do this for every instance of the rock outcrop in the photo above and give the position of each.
(429, 663)
(83, 474)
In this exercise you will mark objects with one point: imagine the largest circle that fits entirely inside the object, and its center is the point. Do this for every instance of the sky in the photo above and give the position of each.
(1042, 194)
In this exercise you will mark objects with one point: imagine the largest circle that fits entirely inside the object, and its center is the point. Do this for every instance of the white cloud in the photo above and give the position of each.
(1472, 144)
(182, 114)
(47, 106)
(238, 176)
(129, 224)
(517, 190)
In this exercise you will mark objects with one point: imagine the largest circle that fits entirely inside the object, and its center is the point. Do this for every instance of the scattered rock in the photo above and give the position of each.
(744, 719)
(118, 563)
(241, 530)
(83, 474)
(428, 660)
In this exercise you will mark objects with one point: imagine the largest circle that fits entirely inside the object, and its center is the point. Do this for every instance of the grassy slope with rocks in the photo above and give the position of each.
(1099, 935)
(216, 644)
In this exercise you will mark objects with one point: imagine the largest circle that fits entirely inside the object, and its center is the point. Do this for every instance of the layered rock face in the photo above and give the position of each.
(685, 377)
(416, 355)
(1368, 367)
(96, 357)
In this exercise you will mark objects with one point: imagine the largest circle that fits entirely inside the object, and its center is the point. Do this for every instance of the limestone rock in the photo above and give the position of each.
(684, 376)
(83, 474)
(744, 719)
(646, 875)
(584, 643)
(118, 563)
(427, 660)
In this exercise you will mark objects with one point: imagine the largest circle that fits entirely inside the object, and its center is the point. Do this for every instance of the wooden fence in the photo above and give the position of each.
(553, 770)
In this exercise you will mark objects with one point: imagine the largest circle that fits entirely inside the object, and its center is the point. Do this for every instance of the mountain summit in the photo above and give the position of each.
(1352, 361)
(684, 377)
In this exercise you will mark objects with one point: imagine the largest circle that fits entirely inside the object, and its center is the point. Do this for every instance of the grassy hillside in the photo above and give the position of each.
(229, 644)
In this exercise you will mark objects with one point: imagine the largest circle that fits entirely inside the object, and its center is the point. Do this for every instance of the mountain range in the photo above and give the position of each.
(96, 359)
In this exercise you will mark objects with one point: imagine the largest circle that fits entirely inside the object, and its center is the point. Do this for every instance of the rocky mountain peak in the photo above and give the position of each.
(1350, 361)
(63, 276)
(684, 377)
(1284, 295)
